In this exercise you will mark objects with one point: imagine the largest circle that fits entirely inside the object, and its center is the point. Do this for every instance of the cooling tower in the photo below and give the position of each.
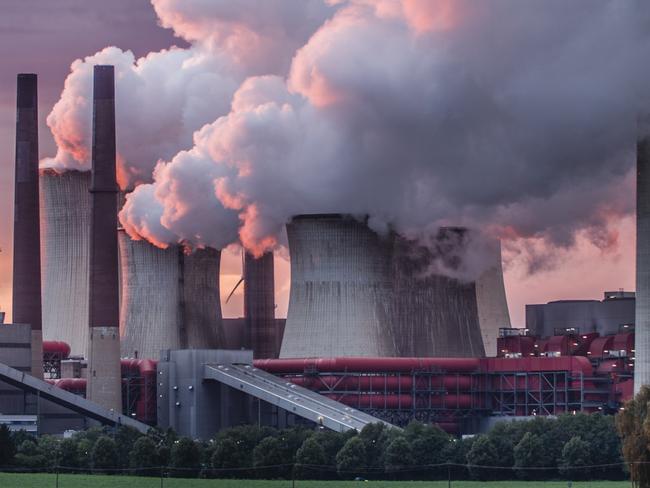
(492, 303)
(150, 318)
(642, 312)
(104, 375)
(432, 315)
(65, 230)
(201, 300)
(355, 293)
(26, 253)
(259, 305)
(339, 303)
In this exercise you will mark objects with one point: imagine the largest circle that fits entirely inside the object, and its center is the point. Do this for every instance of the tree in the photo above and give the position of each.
(398, 455)
(104, 453)
(185, 456)
(428, 443)
(530, 452)
(481, 457)
(351, 458)
(49, 447)
(633, 425)
(144, 455)
(125, 438)
(7, 446)
(268, 456)
(84, 453)
(575, 454)
(68, 455)
(455, 453)
(310, 459)
(29, 456)
(374, 438)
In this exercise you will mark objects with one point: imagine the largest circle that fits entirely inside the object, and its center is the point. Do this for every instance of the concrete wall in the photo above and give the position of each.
(197, 408)
(65, 226)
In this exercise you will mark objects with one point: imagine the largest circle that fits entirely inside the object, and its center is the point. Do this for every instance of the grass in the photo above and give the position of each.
(41, 480)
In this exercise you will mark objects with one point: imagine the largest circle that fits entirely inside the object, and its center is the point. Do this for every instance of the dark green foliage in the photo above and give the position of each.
(398, 457)
(374, 438)
(49, 447)
(125, 438)
(7, 446)
(481, 457)
(104, 453)
(29, 455)
(310, 459)
(351, 459)
(68, 454)
(427, 443)
(185, 456)
(269, 458)
(84, 453)
(144, 454)
(530, 452)
(575, 453)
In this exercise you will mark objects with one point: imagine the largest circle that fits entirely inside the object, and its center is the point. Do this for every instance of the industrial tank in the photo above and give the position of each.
(65, 227)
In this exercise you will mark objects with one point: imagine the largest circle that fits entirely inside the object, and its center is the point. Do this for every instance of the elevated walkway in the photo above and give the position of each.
(292, 398)
(66, 399)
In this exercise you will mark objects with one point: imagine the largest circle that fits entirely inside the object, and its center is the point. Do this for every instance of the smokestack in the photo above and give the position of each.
(104, 381)
(27, 258)
(642, 313)
(259, 305)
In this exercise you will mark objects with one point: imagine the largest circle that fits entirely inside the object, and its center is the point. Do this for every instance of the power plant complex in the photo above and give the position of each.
(378, 329)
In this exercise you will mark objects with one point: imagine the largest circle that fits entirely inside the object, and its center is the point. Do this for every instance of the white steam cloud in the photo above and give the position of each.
(513, 116)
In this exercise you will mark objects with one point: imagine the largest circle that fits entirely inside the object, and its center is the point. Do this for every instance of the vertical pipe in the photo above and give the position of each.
(27, 258)
(642, 307)
(259, 305)
(104, 378)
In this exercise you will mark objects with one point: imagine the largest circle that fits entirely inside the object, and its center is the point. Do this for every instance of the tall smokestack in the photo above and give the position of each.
(259, 305)
(642, 313)
(104, 382)
(27, 237)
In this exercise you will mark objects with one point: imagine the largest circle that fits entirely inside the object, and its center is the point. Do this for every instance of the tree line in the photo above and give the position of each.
(565, 447)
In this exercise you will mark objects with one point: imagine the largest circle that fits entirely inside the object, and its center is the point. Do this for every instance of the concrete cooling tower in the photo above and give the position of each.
(169, 300)
(65, 230)
(355, 293)
(642, 305)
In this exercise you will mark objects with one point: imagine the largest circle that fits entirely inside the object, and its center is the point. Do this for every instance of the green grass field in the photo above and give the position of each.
(10, 480)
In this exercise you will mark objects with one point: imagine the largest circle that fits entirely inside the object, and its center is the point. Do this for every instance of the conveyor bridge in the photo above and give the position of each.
(292, 398)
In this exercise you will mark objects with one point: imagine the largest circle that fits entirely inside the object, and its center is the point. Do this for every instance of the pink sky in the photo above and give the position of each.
(75, 28)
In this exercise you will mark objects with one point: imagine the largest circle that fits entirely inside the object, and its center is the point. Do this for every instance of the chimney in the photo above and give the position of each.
(104, 378)
(642, 312)
(27, 259)
(259, 306)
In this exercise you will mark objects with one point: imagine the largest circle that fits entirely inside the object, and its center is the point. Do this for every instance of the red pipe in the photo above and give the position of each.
(377, 383)
(56, 347)
(394, 401)
(368, 365)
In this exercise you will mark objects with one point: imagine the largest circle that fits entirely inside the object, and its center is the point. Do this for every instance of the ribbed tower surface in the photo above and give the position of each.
(356, 293)
(65, 230)
(259, 305)
(642, 312)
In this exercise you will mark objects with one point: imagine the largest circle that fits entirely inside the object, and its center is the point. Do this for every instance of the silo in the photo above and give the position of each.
(259, 305)
(200, 301)
(339, 303)
(65, 230)
(150, 318)
(642, 306)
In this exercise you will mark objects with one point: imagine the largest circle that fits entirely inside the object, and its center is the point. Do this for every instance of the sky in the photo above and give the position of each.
(46, 37)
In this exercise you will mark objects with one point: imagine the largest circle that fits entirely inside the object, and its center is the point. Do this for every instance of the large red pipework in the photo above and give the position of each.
(56, 347)
(395, 401)
(367, 365)
(375, 383)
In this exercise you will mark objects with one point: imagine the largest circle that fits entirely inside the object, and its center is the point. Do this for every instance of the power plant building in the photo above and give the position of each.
(356, 293)
(642, 310)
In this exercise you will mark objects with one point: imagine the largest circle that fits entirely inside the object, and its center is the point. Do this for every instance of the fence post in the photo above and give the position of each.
(162, 472)
(57, 475)
(448, 475)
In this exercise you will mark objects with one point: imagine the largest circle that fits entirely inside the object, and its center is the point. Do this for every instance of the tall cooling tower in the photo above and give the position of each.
(150, 318)
(492, 303)
(339, 303)
(433, 315)
(259, 305)
(65, 230)
(201, 300)
(355, 293)
(642, 319)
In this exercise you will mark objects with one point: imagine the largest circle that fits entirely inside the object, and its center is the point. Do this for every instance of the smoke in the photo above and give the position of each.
(513, 117)
(162, 98)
